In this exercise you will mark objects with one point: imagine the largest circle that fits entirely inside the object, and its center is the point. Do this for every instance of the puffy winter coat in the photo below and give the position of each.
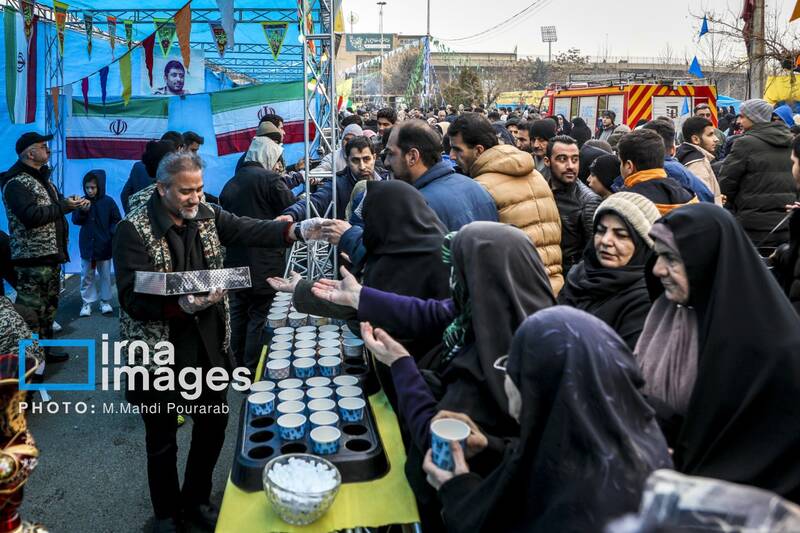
(757, 179)
(523, 199)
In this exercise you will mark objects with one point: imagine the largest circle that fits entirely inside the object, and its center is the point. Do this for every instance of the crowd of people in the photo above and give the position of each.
(594, 301)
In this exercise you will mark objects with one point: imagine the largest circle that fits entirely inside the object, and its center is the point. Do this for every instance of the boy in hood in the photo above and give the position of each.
(697, 151)
(98, 220)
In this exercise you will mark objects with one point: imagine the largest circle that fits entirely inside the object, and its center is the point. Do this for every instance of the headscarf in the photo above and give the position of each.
(580, 131)
(566, 129)
(497, 279)
(743, 421)
(265, 151)
(403, 238)
(588, 440)
(445, 126)
(608, 293)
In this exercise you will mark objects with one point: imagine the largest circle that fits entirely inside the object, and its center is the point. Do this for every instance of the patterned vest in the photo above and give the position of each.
(154, 331)
(29, 243)
(141, 197)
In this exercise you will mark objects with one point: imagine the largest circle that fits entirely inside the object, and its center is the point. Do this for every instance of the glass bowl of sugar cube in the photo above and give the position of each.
(301, 487)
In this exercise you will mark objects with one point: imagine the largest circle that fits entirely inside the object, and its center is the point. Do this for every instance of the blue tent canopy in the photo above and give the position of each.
(250, 56)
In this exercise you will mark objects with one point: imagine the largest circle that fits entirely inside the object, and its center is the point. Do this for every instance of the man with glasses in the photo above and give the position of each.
(38, 232)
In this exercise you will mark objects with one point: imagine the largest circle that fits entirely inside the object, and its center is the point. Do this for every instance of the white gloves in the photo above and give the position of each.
(311, 229)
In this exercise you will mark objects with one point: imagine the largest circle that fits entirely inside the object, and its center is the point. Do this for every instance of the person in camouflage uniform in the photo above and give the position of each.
(38, 231)
(176, 231)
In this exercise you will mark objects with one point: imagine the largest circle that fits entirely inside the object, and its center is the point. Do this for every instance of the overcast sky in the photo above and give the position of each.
(638, 28)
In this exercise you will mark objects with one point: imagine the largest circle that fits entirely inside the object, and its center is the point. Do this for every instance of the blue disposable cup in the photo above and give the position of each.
(325, 440)
(323, 418)
(330, 366)
(261, 403)
(262, 386)
(292, 426)
(304, 367)
(352, 409)
(291, 395)
(443, 432)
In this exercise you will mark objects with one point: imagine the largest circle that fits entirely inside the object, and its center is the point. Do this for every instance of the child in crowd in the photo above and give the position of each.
(98, 222)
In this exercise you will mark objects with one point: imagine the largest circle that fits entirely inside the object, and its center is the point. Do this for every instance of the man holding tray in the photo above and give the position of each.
(175, 232)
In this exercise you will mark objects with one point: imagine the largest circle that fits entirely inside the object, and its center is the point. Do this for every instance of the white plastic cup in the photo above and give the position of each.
(318, 381)
(284, 331)
(279, 354)
(306, 329)
(321, 404)
(287, 408)
(349, 391)
(262, 386)
(323, 418)
(309, 336)
(306, 352)
(282, 338)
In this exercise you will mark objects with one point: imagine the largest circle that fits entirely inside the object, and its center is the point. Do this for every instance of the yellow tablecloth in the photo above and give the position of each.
(387, 500)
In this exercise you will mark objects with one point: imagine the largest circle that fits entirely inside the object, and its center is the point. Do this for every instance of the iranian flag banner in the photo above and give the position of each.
(20, 68)
(115, 131)
(236, 114)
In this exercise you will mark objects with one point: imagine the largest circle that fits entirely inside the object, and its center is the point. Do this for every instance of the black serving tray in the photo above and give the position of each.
(361, 456)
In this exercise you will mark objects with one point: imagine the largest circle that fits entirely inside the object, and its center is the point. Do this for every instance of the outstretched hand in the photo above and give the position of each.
(285, 284)
(382, 345)
(345, 292)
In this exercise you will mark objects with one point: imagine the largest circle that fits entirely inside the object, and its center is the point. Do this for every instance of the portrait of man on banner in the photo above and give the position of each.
(172, 78)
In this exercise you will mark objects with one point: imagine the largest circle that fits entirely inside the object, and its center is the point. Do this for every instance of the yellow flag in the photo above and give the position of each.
(125, 76)
(796, 12)
(338, 21)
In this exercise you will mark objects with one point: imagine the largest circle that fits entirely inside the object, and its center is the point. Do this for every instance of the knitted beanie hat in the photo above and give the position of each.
(606, 169)
(757, 110)
(637, 211)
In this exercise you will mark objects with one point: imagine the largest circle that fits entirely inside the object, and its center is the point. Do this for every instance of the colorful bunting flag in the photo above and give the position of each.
(54, 96)
(85, 93)
(183, 27)
(104, 83)
(795, 12)
(27, 16)
(128, 33)
(695, 69)
(148, 45)
(275, 33)
(60, 14)
(88, 25)
(220, 37)
(704, 27)
(125, 77)
(226, 15)
(112, 32)
(165, 29)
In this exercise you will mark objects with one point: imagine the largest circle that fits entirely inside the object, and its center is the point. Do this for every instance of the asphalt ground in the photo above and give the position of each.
(92, 472)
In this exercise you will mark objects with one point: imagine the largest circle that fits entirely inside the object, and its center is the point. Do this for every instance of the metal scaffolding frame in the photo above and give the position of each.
(314, 260)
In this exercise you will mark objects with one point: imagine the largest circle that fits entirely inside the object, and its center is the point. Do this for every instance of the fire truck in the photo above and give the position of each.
(632, 102)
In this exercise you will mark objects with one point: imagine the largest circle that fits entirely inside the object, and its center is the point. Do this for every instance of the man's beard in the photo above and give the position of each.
(188, 213)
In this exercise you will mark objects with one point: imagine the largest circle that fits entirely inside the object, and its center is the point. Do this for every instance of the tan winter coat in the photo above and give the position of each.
(702, 169)
(523, 199)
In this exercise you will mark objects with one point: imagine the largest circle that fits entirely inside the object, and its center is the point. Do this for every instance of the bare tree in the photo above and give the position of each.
(726, 44)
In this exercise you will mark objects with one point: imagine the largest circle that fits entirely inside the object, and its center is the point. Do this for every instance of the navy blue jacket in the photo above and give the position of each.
(456, 199)
(99, 223)
(138, 180)
(322, 197)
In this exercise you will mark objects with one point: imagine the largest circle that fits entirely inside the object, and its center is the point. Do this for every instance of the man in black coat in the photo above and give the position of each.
(756, 176)
(576, 202)
(176, 232)
(256, 192)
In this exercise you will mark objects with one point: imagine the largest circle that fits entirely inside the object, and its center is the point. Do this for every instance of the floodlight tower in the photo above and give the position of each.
(549, 36)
